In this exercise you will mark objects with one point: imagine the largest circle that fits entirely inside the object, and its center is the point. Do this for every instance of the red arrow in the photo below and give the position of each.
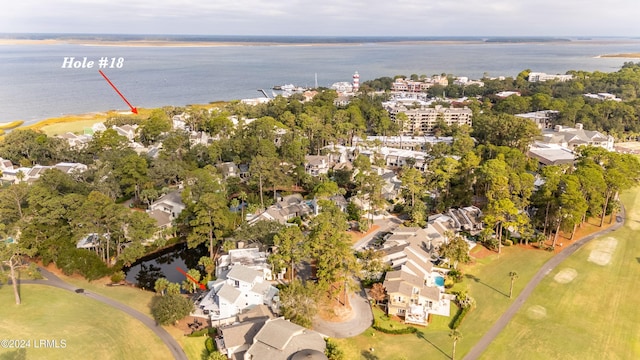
(133, 109)
(202, 286)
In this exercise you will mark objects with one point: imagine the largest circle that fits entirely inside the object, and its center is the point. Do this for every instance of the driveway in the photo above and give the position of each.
(52, 280)
(361, 319)
(385, 225)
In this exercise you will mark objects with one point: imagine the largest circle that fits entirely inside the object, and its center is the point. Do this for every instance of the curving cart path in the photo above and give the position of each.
(484, 342)
(53, 280)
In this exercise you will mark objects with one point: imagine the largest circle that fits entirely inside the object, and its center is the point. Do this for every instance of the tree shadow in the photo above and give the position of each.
(366, 354)
(638, 259)
(420, 335)
(477, 279)
(205, 354)
(19, 354)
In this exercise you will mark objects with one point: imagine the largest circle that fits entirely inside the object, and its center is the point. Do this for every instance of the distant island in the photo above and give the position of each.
(624, 55)
(519, 39)
(252, 40)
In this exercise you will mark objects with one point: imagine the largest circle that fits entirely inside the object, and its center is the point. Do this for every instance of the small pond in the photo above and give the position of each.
(144, 272)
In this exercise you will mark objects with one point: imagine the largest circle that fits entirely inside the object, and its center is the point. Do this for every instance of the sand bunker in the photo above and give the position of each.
(565, 275)
(603, 251)
(536, 312)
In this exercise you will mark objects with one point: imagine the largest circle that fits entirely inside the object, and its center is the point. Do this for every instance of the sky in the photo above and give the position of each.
(325, 17)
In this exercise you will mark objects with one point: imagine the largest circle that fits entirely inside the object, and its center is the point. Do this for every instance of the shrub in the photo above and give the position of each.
(83, 262)
(448, 283)
(332, 350)
(118, 277)
(508, 243)
(456, 275)
(170, 308)
(202, 332)
(33, 272)
(210, 345)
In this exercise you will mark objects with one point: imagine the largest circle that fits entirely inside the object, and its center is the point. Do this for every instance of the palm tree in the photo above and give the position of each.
(235, 203)
(514, 276)
(243, 198)
(455, 335)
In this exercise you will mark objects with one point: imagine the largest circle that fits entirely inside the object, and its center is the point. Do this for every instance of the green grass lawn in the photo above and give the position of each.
(131, 296)
(592, 316)
(139, 299)
(76, 127)
(486, 280)
(91, 329)
(193, 346)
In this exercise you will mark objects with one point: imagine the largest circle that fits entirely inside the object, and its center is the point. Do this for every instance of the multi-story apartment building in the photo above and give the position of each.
(422, 120)
(404, 85)
(540, 76)
(544, 119)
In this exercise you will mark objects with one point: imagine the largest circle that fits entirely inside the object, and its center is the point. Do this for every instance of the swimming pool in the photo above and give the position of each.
(439, 281)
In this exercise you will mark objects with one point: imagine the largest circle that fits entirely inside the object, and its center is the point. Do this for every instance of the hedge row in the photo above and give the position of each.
(462, 312)
(406, 330)
(210, 345)
(202, 332)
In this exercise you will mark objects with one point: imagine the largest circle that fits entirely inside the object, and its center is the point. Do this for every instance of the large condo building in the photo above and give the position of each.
(404, 85)
(422, 120)
(539, 76)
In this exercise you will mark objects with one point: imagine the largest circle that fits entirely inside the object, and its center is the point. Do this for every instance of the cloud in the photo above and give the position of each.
(329, 17)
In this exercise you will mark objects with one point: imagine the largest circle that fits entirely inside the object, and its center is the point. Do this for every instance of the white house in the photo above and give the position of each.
(166, 208)
(242, 288)
(250, 257)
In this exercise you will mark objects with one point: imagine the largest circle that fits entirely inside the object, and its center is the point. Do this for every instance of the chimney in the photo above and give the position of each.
(557, 128)
(579, 126)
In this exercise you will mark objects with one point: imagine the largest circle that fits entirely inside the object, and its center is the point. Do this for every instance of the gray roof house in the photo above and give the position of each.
(241, 289)
(228, 169)
(166, 208)
(280, 339)
(571, 138)
(316, 165)
(414, 289)
(284, 210)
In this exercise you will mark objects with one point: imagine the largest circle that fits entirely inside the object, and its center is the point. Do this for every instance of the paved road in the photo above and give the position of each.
(359, 321)
(484, 342)
(172, 344)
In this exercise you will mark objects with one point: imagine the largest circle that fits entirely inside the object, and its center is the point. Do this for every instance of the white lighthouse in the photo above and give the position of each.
(356, 82)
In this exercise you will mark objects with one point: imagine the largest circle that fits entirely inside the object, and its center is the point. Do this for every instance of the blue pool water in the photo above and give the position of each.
(439, 281)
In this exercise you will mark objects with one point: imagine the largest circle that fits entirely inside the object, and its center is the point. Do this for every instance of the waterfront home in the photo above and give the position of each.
(249, 257)
(241, 288)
